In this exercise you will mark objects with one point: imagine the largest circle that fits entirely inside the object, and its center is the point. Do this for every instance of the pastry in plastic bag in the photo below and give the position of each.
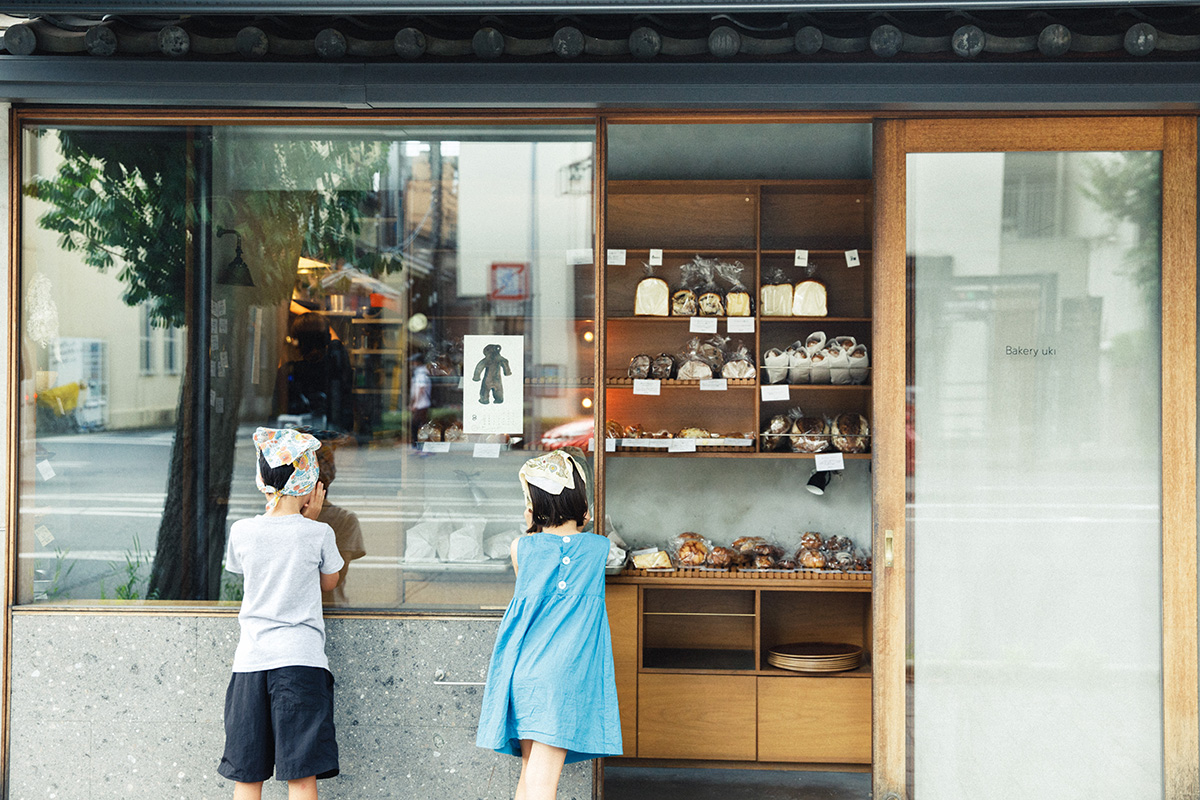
(652, 559)
(851, 433)
(809, 435)
(639, 366)
(614, 430)
(683, 303)
(454, 433)
(662, 367)
(651, 299)
(737, 299)
(739, 364)
(721, 557)
(429, 432)
(808, 299)
(691, 553)
(812, 559)
(809, 540)
(695, 433)
(775, 436)
(711, 304)
(764, 562)
(694, 370)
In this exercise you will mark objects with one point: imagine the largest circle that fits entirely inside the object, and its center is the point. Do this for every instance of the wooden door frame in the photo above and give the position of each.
(1175, 137)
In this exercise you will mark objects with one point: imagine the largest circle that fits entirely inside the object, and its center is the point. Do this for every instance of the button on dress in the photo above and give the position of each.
(551, 676)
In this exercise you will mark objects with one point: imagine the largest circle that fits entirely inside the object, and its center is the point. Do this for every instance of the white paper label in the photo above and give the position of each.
(223, 325)
(649, 386)
(713, 384)
(219, 406)
(46, 471)
(610, 445)
(220, 308)
(435, 447)
(740, 324)
(224, 358)
(487, 450)
(616, 258)
(775, 392)
(703, 325)
(801, 258)
(681, 446)
(591, 445)
(43, 535)
(655, 258)
(852, 258)
(829, 462)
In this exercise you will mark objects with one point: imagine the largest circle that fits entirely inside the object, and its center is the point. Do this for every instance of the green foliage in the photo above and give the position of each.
(120, 199)
(129, 574)
(1129, 189)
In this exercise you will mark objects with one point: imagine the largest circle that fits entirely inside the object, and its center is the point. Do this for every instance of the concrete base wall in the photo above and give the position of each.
(130, 706)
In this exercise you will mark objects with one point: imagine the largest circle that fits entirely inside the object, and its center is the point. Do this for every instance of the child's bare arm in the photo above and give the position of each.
(512, 550)
(329, 582)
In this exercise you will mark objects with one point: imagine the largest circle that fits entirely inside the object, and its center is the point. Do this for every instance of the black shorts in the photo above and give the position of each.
(281, 721)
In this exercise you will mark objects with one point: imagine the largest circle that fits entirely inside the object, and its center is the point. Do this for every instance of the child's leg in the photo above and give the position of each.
(303, 788)
(247, 791)
(541, 765)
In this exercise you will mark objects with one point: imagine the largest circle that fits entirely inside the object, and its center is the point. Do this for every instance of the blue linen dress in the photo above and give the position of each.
(551, 676)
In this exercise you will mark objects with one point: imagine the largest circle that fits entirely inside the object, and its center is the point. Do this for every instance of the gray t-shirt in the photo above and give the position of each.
(281, 617)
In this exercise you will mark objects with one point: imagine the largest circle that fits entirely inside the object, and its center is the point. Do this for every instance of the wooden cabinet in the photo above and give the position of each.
(704, 688)
(760, 224)
(622, 604)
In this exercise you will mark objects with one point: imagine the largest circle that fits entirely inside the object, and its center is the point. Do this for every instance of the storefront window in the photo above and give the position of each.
(420, 298)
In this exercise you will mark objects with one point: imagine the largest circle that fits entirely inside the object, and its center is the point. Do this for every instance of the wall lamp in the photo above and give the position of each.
(236, 272)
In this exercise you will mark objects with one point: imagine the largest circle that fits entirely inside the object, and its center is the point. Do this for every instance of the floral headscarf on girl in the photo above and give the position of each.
(280, 446)
(551, 473)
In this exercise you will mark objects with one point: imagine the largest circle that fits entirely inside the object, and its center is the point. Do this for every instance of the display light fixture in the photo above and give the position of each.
(236, 272)
(818, 481)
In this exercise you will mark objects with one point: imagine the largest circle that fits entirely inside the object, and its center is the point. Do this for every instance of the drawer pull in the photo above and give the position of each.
(439, 679)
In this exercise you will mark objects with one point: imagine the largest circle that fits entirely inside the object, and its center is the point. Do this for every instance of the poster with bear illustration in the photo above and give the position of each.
(493, 384)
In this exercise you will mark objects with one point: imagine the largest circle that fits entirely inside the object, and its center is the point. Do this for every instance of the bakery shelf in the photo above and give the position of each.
(726, 452)
(827, 251)
(809, 319)
(796, 580)
(676, 659)
(676, 383)
(685, 252)
(822, 387)
(678, 318)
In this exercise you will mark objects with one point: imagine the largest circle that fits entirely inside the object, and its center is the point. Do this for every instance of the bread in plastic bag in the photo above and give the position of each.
(639, 366)
(652, 297)
(690, 551)
(851, 433)
(737, 297)
(808, 299)
(808, 434)
(777, 296)
(662, 367)
(738, 363)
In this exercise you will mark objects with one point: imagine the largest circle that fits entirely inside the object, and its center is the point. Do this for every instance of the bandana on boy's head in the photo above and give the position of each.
(281, 446)
(551, 473)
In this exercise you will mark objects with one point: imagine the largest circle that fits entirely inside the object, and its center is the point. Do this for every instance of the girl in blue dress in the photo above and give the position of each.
(551, 694)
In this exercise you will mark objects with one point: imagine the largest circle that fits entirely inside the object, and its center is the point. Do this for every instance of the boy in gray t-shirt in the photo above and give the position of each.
(279, 705)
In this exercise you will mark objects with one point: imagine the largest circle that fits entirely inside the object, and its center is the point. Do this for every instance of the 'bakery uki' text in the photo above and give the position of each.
(1028, 351)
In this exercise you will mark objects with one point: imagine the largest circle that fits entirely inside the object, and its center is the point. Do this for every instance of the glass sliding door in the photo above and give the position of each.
(1035, 512)
(1038, 585)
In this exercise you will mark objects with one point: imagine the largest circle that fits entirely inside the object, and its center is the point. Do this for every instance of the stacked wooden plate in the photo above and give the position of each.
(815, 657)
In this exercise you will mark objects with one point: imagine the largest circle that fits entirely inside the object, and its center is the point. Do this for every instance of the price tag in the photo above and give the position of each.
(45, 470)
(223, 325)
(852, 258)
(44, 536)
(681, 446)
(775, 392)
(220, 308)
(435, 447)
(219, 406)
(830, 462)
(616, 258)
(610, 445)
(591, 445)
(486, 450)
(224, 358)
(801, 258)
(703, 325)
(740, 324)
(655, 257)
(713, 385)
(647, 386)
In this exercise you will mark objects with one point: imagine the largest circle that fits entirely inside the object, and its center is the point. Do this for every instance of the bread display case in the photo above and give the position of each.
(699, 337)
(696, 275)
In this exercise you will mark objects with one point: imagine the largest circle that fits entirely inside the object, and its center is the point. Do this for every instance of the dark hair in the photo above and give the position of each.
(550, 511)
(276, 477)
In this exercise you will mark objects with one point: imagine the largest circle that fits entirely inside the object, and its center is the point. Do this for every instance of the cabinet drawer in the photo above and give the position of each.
(817, 720)
(696, 716)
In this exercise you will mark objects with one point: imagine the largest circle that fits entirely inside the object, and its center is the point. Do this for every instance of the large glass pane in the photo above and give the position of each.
(420, 298)
(1034, 508)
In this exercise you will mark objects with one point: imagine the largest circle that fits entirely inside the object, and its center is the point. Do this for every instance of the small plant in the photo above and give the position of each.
(232, 587)
(130, 574)
(54, 586)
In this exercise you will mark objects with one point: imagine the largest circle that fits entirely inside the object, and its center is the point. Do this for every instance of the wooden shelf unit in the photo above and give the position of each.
(760, 223)
(695, 684)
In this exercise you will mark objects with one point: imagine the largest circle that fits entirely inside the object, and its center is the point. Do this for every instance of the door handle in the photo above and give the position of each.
(888, 538)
